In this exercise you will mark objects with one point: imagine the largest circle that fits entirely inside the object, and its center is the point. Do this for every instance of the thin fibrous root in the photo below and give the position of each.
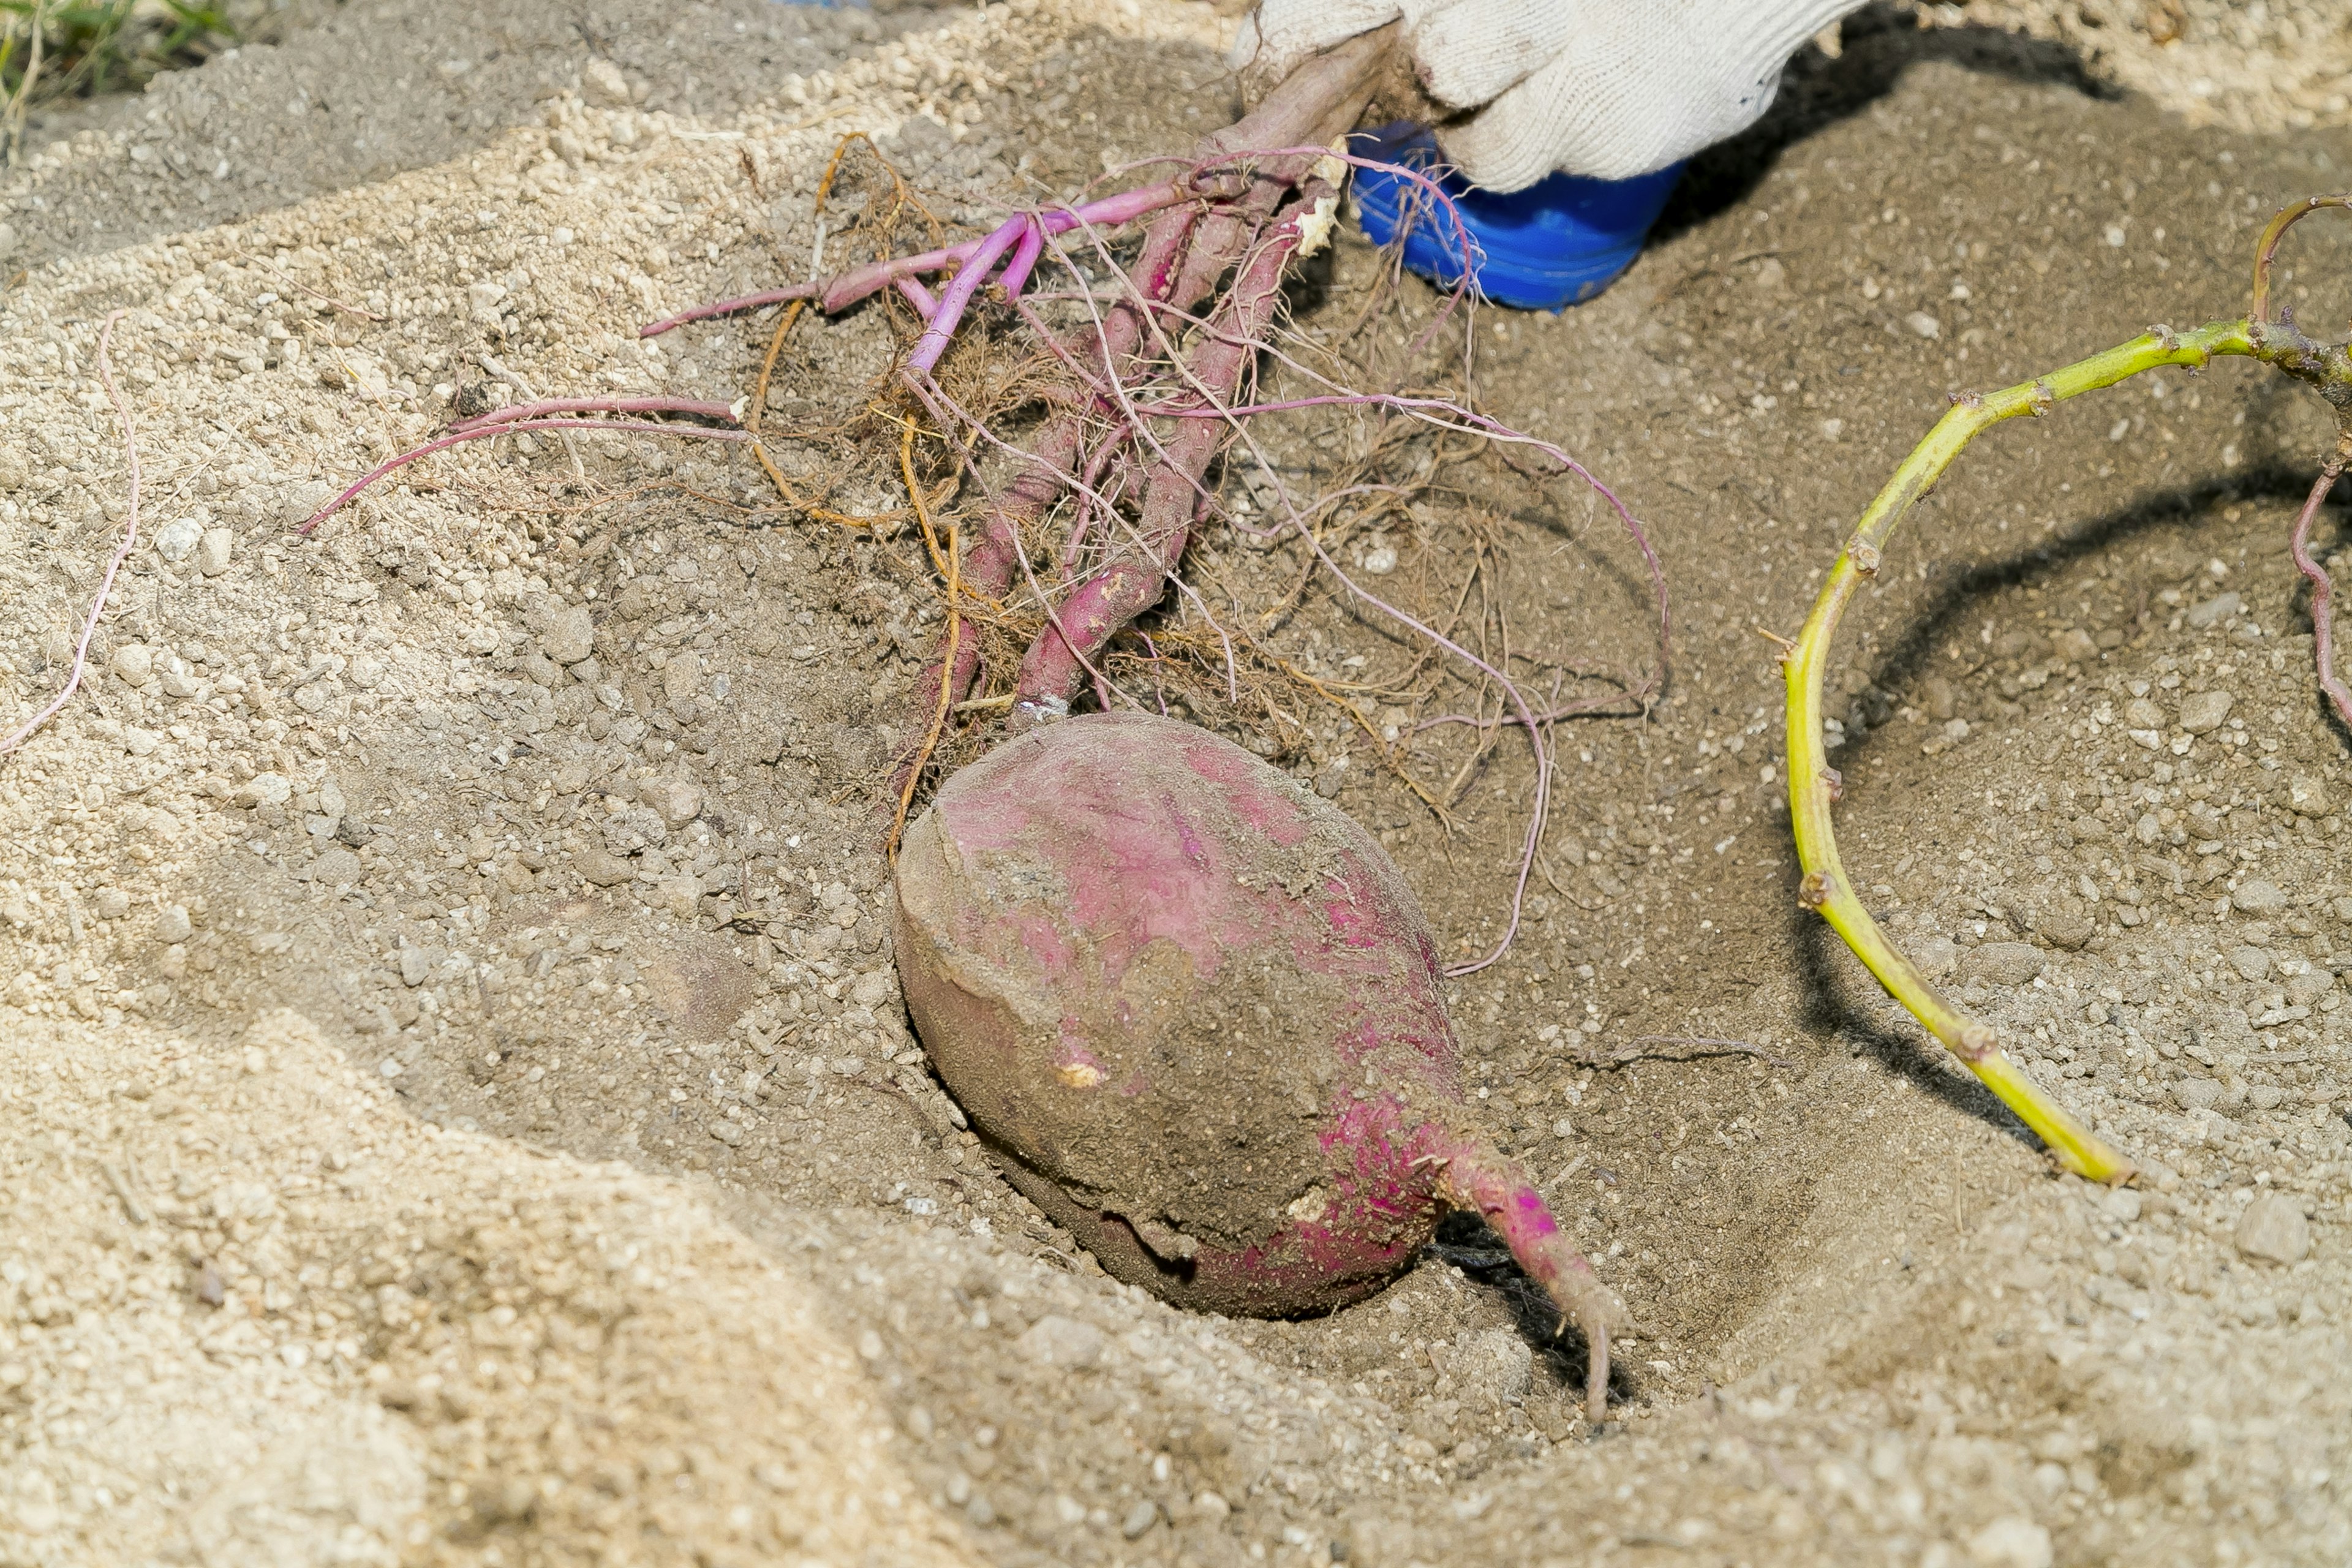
(123, 549)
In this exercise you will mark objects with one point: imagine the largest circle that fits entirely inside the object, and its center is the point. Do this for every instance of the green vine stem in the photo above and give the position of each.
(1814, 786)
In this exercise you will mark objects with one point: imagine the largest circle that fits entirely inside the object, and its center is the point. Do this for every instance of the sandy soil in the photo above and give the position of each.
(456, 1104)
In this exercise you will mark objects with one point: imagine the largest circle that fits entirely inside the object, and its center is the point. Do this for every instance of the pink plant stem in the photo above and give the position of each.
(1472, 1175)
(25, 731)
(925, 305)
(484, 432)
(546, 407)
(1016, 277)
(2322, 591)
(729, 306)
(958, 293)
(1109, 211)
(1105, 602)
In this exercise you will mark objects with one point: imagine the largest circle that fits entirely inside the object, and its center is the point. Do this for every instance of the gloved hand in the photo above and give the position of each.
(1611, 88)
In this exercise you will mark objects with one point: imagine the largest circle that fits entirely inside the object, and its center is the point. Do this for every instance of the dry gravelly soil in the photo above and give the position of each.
(455, 1104)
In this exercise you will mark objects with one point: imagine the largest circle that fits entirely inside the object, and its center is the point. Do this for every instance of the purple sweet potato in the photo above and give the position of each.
(1197, 1014)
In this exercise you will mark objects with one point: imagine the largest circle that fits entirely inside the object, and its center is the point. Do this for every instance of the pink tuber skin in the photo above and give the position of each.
(1197, 1014)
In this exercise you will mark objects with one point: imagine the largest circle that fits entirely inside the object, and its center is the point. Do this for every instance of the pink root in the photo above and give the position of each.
(484, 432)
(1105, 602)
(114, 564)
(2323, 593)
(1474, 1175)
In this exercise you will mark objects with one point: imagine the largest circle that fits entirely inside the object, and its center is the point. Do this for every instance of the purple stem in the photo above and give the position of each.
(1025, 259)
(728, 306)
(968, 279)
(486, 431)
(926, 304)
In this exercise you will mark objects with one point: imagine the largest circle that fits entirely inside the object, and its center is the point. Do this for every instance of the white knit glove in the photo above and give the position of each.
(1606, 87)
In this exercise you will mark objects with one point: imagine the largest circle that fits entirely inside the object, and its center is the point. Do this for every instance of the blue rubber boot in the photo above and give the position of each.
(1556, 243)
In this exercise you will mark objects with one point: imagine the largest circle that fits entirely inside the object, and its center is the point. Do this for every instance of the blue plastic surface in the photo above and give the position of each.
(1556, 243)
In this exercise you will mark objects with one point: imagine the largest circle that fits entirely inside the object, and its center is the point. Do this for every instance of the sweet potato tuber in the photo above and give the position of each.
(1197, 1014)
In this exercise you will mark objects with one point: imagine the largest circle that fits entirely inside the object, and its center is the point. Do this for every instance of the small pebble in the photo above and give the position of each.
(213, 551)
(676, 802)
(177, 540)
(2197, 1093)
(1926, 325)
(571, 635)
(2250, 963)
(2210, 613)
(415, 966)
(2272, 1228)
(134, 662)
(599, 866)
(171, 924)
(2004, 963)
(265, 789)
(112, 903)
(1139, 1517)
(2260, 898)
(2202, 713)
(1211, 1505)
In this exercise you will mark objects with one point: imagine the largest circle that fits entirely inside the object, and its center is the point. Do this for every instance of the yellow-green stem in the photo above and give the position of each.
(1813, 784)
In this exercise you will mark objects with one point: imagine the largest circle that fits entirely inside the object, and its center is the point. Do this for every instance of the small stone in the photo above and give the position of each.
(2272, 1228)
(1381, 559)
(415, 966)
(2066, 923)
(2197, 1093)
(1211, 1505)
(1139, 1517)
(213, 551)
(177, 540)
(599, 866)
(1056, 1340)
(337, 868)
(2258, 898)
(2307, 797)
(873, 990)
(1331, 778)
(2212, 613)
(676, 802)
(2076, 645)
(173, 925)
(111, 903)
(2012, 1543)
(2202, 713)
(602, 83)
(1926, 325)
(2004, 963)
(2122, 1204)
(2265, 1096)
(365, 671)
(1493, 1365)
(1937, 956)
(731, 1134)
(265, 789)
(134, 662)
(571, 635)
(2250, 963)
(680, 895)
